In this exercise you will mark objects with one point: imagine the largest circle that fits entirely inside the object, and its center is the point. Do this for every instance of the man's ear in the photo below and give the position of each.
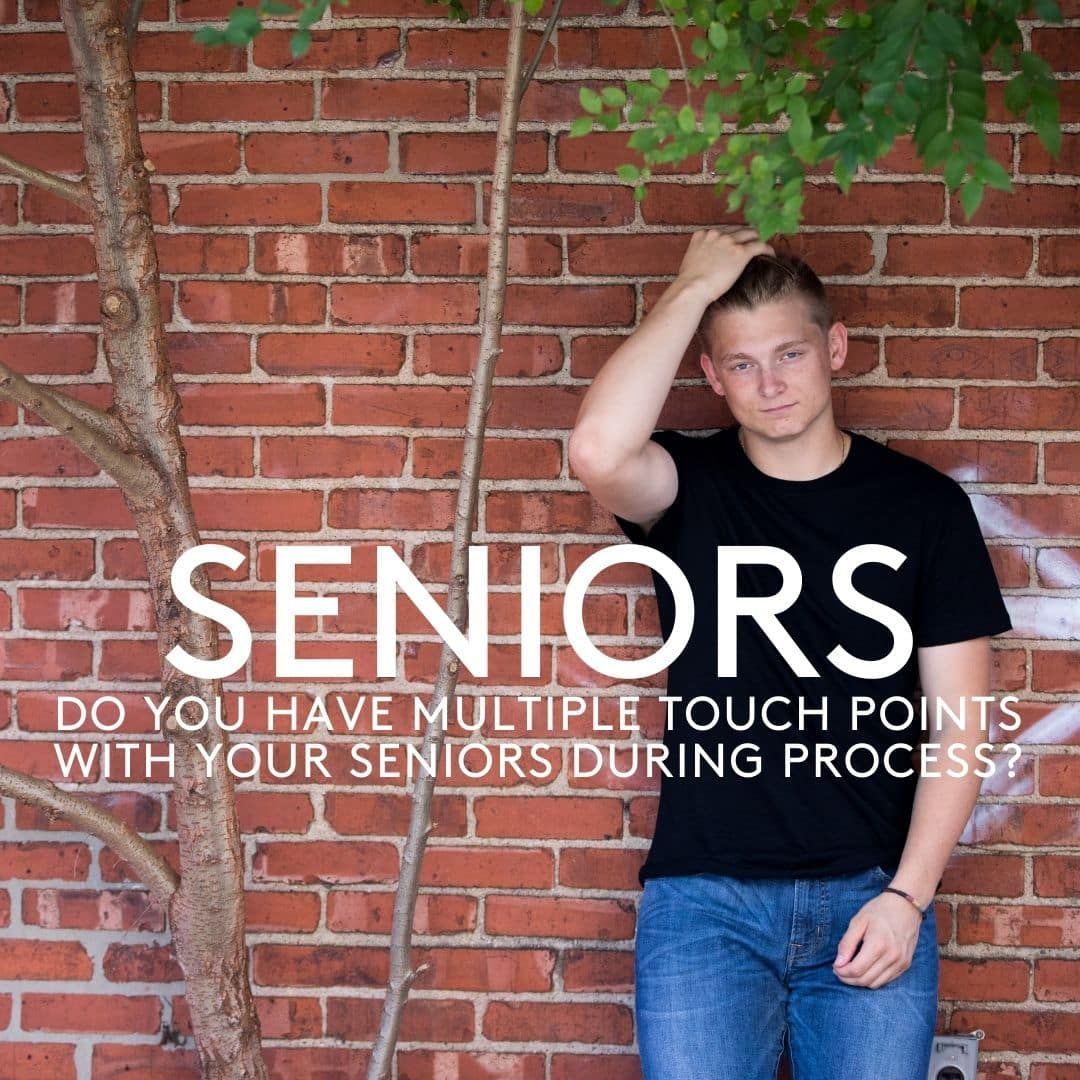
(709, 369)
(837, 340)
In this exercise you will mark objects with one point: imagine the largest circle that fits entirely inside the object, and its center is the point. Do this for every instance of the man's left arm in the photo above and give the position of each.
(955, 675)
(888, 926)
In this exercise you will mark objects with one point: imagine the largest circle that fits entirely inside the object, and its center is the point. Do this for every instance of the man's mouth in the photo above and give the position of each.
(779, 408)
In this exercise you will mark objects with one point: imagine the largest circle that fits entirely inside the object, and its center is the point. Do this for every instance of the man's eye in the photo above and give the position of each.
(741, 364)
(792, 353)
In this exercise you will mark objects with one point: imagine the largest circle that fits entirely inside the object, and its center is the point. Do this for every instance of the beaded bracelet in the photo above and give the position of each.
(906, 896)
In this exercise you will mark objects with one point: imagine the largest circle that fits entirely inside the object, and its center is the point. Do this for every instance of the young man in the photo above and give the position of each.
(792, 896)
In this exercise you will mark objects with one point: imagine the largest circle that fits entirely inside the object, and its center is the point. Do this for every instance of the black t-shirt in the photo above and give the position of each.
(804, 824)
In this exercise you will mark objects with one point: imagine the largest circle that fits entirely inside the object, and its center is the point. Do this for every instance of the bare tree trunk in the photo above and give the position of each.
(402, 973)
(138, 443)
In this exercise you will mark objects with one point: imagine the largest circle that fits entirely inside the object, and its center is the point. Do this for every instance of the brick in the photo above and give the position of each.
(141, 963)
(86, 609)
(51, 959)
(92, 909)
(43, 660)
(327, 152)
(1061, 358)
(179, 152)
(388, 202)
(1056, 875)
(1027, 206)
(1018, 306)
(63, 303)
(59, 101)
(404, 304)
(1044, 1031)
(573, 917)
(37, 1061)
(209, 353)
(444, 1021)
(893, 305)
(322, 455)
(49, 354)
(568, 205)
(1059, 255)
(32, 256)
(1024, 408)
(961, 358)
(1062, 463)
(576, 818)
(459, 152)
(325, 861)
(169, 51)
(957, 256)
(37, 53)
(395, 99)
(527, 255)
(252, 302)
(1059, 776)
(523, 354)
(249, 204)
(1035, 158)
(378, 508)
(281, 912)
(468, 49)
(372, 912)
(503, 459)
(984, 980)
(551, 305)
(555, 1022)
(338, 254)
(46, 560)
(268, 405)
(331, 354)
(218, 102)
(329, 51)
(322, 966)
(91, 1013)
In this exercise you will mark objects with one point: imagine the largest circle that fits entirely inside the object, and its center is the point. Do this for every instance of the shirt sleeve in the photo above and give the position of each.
(664, 531)
(959, 597)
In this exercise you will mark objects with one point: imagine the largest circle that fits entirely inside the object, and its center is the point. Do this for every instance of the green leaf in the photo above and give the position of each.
(943, 27)
(613, 97)
(590, 100)
(718, 36)
(955, 168)
(1017, 93)
(243, 18)
(630, 173)
(938, 149)
(971, 196)
(1047, 11)
(687, 120)
(659, 78)
(208, 35)
(299, 43)
(994, 174)
(582, 126)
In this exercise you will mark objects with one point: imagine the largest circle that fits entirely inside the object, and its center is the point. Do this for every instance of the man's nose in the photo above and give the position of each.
(771, 383)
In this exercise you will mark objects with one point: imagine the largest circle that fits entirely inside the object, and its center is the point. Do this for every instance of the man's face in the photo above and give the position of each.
(774, 366)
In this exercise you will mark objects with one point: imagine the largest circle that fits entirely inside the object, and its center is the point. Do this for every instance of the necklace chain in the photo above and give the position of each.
(845, 443)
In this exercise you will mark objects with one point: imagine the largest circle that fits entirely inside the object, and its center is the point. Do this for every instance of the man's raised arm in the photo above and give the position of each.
(610, 448)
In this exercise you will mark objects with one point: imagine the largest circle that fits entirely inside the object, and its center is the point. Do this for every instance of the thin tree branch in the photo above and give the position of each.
(131, 21)
(97, 434)
(72, 190)
(402, 972)
(534, 63)
(158, 876)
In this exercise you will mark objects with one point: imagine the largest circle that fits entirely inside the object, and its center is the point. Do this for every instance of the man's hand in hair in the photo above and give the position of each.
(715, 258)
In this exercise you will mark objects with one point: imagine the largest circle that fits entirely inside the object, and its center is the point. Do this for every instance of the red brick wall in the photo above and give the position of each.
(321, 232)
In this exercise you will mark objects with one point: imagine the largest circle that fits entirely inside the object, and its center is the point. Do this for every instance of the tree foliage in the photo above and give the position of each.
(789, 94)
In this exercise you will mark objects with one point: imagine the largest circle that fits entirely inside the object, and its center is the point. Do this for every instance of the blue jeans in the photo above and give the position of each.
(724, 966)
